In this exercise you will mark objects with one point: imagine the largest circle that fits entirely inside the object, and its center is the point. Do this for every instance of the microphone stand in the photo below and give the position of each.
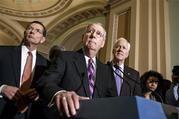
(124, 81)
(158, 95)
(108, 63)
(117, 67)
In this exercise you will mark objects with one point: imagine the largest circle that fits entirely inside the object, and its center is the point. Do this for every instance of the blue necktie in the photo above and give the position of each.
(178, 92)
(118, 80)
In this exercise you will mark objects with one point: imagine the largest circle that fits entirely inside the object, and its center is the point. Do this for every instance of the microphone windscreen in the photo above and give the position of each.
(108, 63)
(116, 66)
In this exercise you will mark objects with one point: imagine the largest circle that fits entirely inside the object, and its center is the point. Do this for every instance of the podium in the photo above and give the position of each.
(125, 108)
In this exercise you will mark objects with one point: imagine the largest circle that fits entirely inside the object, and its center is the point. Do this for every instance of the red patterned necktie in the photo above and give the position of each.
(91, 73)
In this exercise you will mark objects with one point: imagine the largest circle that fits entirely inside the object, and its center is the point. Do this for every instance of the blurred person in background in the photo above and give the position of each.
(172, 94)
(20, 67)
(151, 82)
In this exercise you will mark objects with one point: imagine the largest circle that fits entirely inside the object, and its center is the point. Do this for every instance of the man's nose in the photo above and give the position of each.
(32, 31)
(119, 49)
(92, 35)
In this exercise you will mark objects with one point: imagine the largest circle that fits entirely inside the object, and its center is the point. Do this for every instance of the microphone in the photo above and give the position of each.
(108, 63)
(158, 96)
(117, 67)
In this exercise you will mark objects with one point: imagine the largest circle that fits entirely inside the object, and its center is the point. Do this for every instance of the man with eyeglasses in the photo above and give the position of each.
(126, 78)
(75, 76)
(172, 94)
(20, 67)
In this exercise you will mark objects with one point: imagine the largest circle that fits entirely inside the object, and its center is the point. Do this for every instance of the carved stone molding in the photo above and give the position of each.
(114, 3)
(9, 32)
(58, 6)
(73, 20)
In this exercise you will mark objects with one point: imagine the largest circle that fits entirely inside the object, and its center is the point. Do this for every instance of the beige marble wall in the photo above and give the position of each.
(148, 34)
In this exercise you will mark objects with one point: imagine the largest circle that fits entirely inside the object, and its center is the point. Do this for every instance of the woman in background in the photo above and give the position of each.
(151, 82)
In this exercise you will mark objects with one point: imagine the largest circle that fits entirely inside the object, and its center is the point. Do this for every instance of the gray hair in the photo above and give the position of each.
(121, 39)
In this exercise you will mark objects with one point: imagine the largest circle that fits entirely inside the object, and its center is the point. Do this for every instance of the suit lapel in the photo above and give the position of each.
(38, 59)
(41, 65)
(97, 81)
(80, 63)
(16, 63)
(36, 68)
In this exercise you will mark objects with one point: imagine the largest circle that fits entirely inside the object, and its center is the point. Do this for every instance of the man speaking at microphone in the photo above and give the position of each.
(127, 79)
(75, 76)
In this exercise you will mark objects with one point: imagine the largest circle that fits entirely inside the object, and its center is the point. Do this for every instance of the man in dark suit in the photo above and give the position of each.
(12, 66)
(127, 79)
(172, 94)
(68, 79)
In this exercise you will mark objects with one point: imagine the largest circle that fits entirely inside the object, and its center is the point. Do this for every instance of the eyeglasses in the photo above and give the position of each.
(35, 30)
(98, 33)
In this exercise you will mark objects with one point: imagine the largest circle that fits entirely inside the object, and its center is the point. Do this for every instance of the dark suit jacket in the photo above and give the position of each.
(170, 98)
(69, 72)
(129, 87)
(10, 67)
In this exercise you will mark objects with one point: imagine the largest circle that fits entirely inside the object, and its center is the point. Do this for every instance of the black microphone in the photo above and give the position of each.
(110, 64)
(158, 96)
(117, 67)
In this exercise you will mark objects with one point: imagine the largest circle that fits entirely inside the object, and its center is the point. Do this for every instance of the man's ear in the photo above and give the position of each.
(113, 51)
(82, 37)
(25, 34)
(43, 40)
(103, 43)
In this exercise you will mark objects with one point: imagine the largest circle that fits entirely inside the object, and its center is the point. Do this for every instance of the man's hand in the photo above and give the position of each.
(68, 102)
(27, 97)
(11, 92)
(31, 94)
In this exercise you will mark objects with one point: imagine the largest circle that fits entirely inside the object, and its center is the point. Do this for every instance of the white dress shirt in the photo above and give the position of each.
(175, 91)
(24, 54)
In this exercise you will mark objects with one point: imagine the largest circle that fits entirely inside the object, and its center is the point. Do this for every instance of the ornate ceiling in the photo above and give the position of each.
(33, 8)
(63, 18)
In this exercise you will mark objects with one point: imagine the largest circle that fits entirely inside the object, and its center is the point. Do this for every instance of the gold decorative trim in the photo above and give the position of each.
(9, 31)
(58, 7)
(72, 21)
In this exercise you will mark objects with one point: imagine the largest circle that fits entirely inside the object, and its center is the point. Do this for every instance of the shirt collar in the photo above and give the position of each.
(120, 66)
(25, 49)
(87, 58)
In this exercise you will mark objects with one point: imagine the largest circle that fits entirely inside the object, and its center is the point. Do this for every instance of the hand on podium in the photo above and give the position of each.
(68, 102)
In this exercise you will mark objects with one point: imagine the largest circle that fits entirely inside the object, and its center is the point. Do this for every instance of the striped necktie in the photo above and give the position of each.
(118, 80)
(91, 72)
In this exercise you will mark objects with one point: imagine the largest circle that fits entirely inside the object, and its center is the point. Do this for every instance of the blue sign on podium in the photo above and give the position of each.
(125, 108)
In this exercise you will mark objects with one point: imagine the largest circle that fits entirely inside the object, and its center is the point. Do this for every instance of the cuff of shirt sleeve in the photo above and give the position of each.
(51, 103)
(1, 87)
